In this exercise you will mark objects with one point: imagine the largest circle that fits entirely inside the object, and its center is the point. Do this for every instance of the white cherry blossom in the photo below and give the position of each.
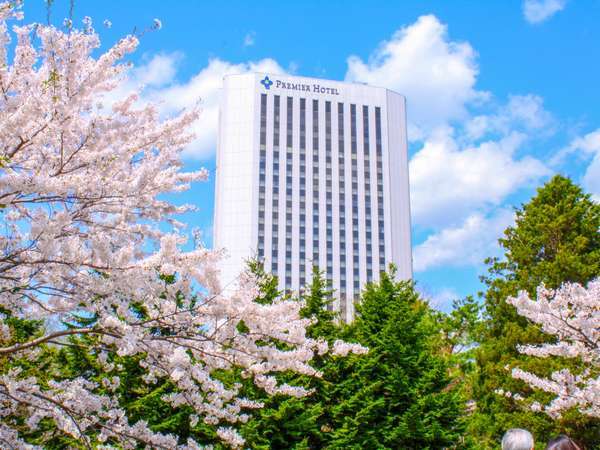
(87, 230)
(572, 315)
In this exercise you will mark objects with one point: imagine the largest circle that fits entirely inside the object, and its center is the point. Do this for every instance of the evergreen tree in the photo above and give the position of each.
(399, 395)
(143, 401)
(284, 423)
(555, 239)
(301, 423)
(16, 330)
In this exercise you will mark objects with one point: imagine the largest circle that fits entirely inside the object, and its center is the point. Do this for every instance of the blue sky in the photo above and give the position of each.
(501, 95)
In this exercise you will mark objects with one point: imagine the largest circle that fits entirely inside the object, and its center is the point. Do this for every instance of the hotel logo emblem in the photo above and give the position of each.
(266, 82)
(290, 86)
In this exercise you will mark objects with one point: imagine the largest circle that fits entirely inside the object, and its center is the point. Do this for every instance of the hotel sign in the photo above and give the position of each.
(314, 87)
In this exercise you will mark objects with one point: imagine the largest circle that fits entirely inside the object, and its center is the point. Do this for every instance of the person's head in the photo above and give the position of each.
(562, 442)
(517, 439)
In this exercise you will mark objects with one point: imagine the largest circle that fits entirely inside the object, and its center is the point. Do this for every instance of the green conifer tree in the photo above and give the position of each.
(301, 423)
(555, 239)
(400, 394)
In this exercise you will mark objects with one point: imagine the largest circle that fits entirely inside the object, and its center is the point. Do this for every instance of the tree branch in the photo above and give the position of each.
(49, 337)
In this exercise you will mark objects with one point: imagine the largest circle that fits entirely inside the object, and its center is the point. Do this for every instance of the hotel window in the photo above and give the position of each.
(353, 151)
(302, 185)
(315, 140)
(275, 204)
(263, 162)
(380, 217)
(288, 181)
(289, 121)
(343, 306)
(366, 150)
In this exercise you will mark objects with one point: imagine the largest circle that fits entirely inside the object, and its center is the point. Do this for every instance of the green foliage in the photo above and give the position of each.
(318, 299)
(399, 395)
(555, 239)
(44, 368)
(140, 400)
(459, 328)
(267, 283)
(298, 423)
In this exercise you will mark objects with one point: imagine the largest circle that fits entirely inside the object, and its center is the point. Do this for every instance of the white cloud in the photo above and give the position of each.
(529, 110)
(591, 179)
(522, 112)
(452, 176)
(536, 11)
(589, 145)
(442, 299)
(465, 245)
(436, 75)
(453, 180)
(438, 298)
(158, 71)
(448, 183)
(204, 88)
(250, 39)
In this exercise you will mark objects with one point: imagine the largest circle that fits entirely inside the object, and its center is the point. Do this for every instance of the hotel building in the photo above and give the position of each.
(312, 172)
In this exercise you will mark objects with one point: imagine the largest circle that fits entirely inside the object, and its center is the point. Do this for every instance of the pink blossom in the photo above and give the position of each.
(83, 190)
(571, 314)
(341, 348)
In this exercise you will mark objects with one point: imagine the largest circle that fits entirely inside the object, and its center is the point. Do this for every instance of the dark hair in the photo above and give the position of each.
(562, 442)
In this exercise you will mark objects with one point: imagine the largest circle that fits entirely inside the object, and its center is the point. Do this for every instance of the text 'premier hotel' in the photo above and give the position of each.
(310, 173)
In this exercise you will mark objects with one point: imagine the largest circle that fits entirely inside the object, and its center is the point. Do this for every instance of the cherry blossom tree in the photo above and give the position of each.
(87, 233)
(572, 315)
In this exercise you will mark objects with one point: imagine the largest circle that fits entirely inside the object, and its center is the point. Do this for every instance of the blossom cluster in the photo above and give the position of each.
(88, 233)
(571, 314)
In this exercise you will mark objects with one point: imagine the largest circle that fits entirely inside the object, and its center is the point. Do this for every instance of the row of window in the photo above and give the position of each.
(319, 208)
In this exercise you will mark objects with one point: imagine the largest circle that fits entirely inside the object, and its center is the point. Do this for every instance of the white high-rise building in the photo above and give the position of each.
(312, 172)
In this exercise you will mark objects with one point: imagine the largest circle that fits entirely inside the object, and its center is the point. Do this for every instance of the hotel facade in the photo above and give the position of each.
(312, 172)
